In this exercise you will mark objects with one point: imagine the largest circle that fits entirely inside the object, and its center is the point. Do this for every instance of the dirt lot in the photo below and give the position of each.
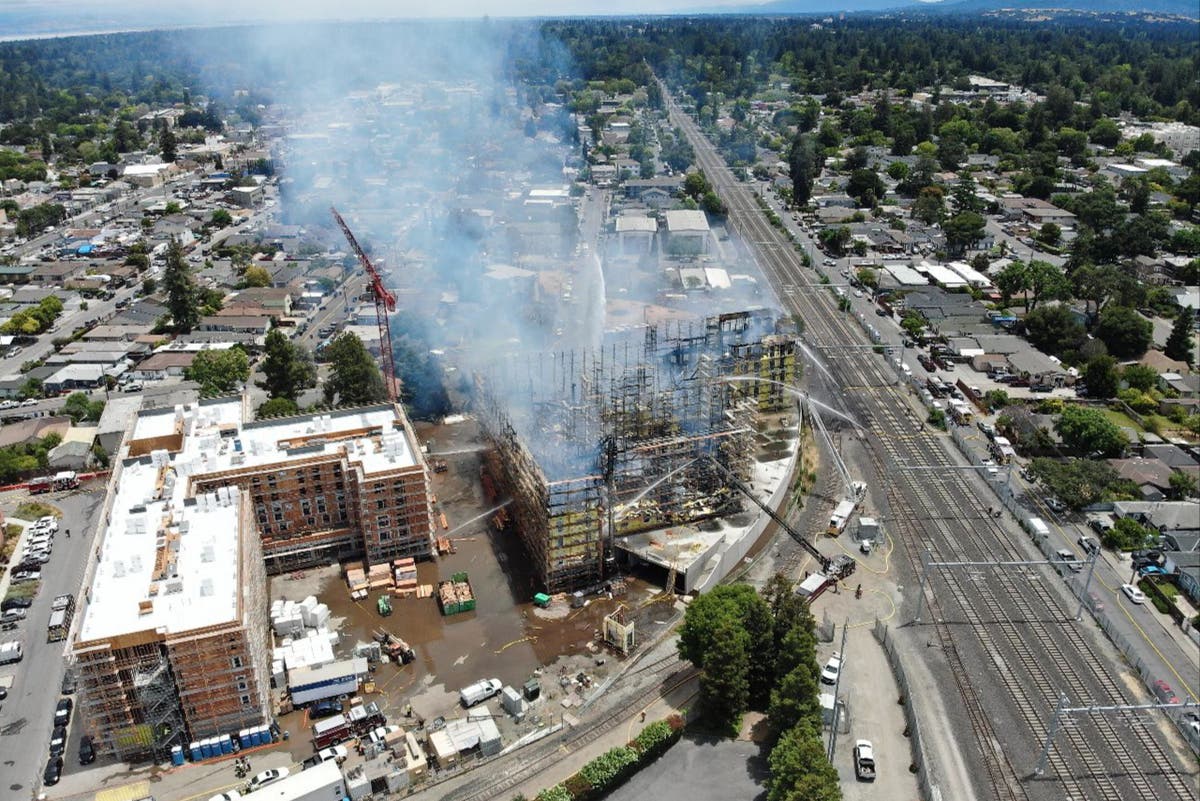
(505, 637)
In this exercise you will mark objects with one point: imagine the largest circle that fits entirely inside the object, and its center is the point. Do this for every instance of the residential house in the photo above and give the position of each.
(75, 450)
(26, 432)
(1185, 566)
(256, 325)
(687, 232)
(1178, 519)
(164, 364)
(1152, 477)
(77, 377)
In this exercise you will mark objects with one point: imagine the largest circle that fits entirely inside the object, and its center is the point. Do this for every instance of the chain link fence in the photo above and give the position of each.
(929, 789)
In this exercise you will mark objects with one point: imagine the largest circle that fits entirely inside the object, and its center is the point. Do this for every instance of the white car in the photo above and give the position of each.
(1133, 593)
(380, 733)
(49, 521)
(1056, 504)
(338, 753)
(228, 795)
(271, 776)
(832, 669)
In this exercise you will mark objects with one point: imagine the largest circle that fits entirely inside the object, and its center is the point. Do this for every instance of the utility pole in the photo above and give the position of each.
(833, 731)
(1054, 724)
(1083, 594)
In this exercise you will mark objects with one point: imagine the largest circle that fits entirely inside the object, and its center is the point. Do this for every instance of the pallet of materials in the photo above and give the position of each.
(424, 590)
(405, 574)
(445, 545)
(379, 576)
(455, 595)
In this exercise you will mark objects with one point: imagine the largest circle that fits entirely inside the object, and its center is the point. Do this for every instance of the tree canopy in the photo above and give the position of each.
(354, 377)
(1086, 430)
(219, 372)
(287, 368)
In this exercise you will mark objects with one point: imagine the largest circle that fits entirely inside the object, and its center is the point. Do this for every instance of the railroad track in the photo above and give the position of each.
(526, 766)
(1024, 640)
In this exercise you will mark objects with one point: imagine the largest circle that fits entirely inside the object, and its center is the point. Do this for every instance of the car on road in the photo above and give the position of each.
(832, 669)
(228, 795)
(271, 776)
(3, 693)
(1089, 545)
(1133, 593)
(1056, 504)
(53, 771)
(58, 741)
(1164, 693)
(62, 712)
(87, 751)
(864, 761)
(1068, 556)
(992, 470)
(68, 684)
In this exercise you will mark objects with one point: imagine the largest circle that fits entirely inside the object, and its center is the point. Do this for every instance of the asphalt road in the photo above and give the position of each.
(26, 715)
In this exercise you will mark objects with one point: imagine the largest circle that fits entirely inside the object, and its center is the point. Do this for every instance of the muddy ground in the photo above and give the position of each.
(505, 637)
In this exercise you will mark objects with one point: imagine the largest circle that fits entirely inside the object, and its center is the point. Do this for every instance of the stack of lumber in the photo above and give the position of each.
(424, 590)
(356, 579)
(405, 572)
(379, 576)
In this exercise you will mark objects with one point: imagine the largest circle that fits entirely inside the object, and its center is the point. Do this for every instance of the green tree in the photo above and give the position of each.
(222, 218)
(354, 377)
(1124, 332)
(1140, 377)
(166, 144)
(1050, 234)
(835, 239)
(725, 682)
(930, 205)
(1081, 482)
(1086, 430)
(804, 166)
(287, 368)
(255, 276)
(278, 407)
(149, 285)
(1182, 485)
(1127, 534)
(866, 187)
(80, 408)
(740, 603)
(1181, 344)
(1101, 377)
(1053, 329)
(1012, 279)
(182, 296)
(963, 231)
(219, 372)
(1046, 282)
(799, 770)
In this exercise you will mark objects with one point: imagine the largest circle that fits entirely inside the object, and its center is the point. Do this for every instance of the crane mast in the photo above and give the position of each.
(385, 303)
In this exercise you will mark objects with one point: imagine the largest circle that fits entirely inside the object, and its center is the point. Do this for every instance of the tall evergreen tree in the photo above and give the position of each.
(166, 143)
(725, 682)
(287, 368)
(1181, 344)
(182, 297)
(354, 378)
(802, 163)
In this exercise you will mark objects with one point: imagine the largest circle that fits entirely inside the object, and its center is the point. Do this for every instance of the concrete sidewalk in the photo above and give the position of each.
(572, 760)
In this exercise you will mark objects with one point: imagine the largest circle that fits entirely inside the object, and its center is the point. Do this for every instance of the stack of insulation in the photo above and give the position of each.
(405, 571)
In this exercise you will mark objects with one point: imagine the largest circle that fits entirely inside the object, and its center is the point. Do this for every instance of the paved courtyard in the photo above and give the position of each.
(701, 767)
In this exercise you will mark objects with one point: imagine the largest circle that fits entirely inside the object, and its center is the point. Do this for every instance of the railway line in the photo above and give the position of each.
(1008, 639)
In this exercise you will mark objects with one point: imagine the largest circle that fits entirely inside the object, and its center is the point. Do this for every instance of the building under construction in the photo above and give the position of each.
(173, 644)
(594, 445)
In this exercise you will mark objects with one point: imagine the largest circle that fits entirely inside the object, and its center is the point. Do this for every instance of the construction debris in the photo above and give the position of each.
(455, 595)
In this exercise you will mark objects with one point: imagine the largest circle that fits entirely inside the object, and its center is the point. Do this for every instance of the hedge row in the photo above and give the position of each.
(614, 767)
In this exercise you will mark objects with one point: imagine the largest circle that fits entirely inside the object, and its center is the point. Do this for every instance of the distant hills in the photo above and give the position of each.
(1186, 8)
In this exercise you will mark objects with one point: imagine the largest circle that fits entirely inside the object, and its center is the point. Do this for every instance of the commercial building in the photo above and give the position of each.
(173, 643)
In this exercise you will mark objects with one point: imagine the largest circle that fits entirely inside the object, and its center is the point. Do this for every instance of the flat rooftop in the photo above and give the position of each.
(168, 561)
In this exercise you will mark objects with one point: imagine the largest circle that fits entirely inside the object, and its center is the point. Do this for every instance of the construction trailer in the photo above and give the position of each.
(583, 440)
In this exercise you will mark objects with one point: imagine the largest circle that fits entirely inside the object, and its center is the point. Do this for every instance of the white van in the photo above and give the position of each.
(1038, 528)
(479, 691)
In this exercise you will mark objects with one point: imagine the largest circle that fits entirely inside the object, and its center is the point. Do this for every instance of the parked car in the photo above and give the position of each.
(1133, 593)
(53, 771)
(13, 615)
(58, 741)
(1056, 504)
(228, 795)
(1151, 570)
(271, 776)
(1089, 545)
(87, 751)
(864, 761)
(1164, 692)
(15, 603)
(324, 709)
(62, 712)
(832, 669)
(1066, 555)
(479, 691)
(68, 683)
(338, 753)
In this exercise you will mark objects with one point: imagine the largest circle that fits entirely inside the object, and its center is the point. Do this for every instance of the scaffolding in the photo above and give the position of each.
(583, 441)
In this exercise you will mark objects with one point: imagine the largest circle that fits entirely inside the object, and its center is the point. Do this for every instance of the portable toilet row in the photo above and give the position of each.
(248, 738)
(177, 755)
(206, 749)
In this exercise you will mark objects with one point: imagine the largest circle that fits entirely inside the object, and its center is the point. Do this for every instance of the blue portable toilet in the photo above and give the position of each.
(205, 749)
(226, 744)
(177, 755)
(197, 754)
(264, 735)
(244, 738)
(214, 746)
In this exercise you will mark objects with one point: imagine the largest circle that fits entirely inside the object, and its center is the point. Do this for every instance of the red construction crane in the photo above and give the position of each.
(385, 303)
